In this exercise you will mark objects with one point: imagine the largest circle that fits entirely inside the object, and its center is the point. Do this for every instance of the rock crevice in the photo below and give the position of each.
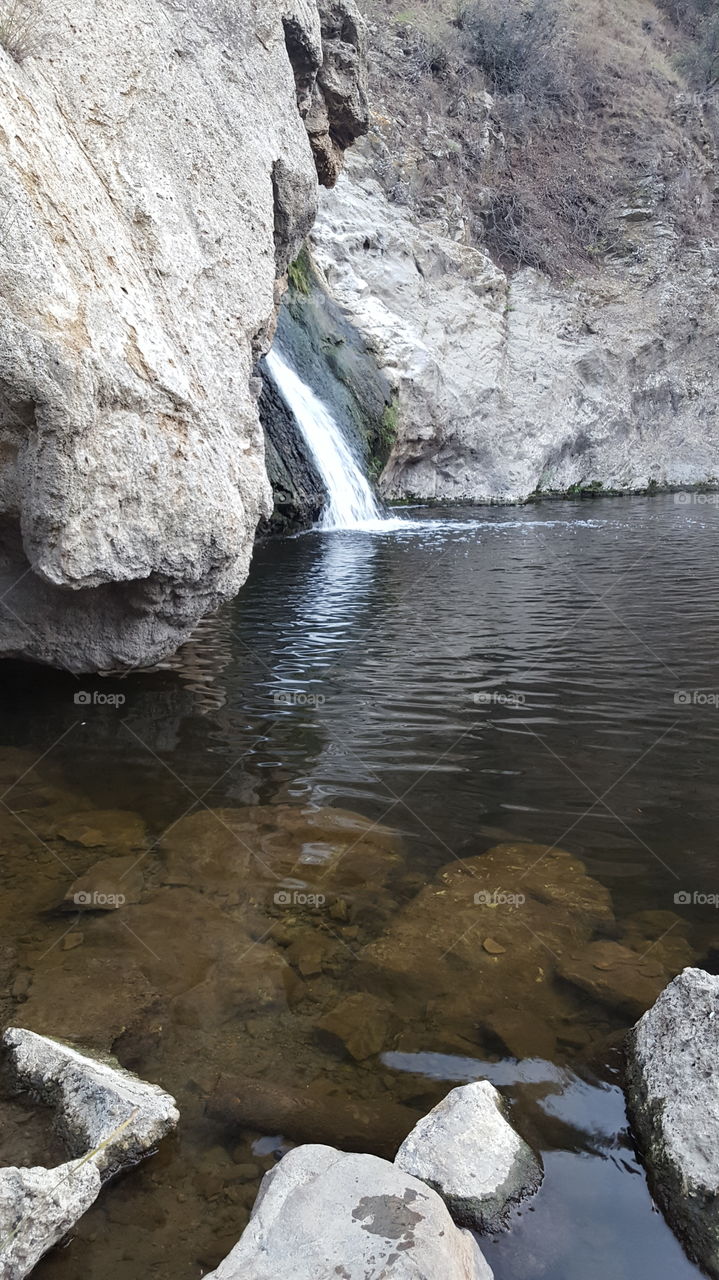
(157, 178)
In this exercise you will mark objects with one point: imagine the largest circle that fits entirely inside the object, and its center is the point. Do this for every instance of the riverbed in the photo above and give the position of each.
(525, 698)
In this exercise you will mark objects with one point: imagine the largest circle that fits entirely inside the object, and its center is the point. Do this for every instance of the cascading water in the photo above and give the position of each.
(351, 503)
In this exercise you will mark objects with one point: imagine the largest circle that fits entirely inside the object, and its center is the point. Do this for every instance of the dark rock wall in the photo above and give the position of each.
(332, 358)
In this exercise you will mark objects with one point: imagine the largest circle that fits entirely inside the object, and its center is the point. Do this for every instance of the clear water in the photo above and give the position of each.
(486, 677)
(350, 500)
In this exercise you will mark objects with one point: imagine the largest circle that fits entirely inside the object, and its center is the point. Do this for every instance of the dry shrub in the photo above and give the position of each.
(583, 126)
(24, 28)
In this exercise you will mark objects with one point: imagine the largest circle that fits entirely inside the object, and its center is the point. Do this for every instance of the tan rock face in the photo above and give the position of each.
(157, 178)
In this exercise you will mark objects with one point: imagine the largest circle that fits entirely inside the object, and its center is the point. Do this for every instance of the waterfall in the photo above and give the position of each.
(351, 503)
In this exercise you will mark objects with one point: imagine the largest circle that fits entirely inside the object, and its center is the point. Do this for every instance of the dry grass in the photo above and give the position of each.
(584, 122)
(24, 28)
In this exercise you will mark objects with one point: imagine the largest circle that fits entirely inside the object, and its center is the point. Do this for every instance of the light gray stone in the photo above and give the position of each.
(509, 383)
(152, 192)
(108, 1119)
(467, 1151)
(673, 1100)
(322, 1214)
(93, 1098)
(38, 1207)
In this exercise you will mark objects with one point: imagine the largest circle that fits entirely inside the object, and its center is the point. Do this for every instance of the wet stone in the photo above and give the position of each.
(536, 903)
(106, 886)
(616, 975)
(467, 1151)
(104, 828)
(360, 1026)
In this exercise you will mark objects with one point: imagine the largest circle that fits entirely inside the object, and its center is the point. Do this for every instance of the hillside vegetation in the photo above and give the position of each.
(600, 117)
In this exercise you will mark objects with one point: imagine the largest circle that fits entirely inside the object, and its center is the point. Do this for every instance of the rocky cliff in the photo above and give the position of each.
(160, 166)
(544, 313)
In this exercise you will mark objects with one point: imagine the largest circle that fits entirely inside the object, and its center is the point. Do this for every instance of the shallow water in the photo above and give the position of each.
(471, 679)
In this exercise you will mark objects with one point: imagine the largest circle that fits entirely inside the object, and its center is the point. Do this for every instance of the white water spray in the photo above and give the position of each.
(351, 503)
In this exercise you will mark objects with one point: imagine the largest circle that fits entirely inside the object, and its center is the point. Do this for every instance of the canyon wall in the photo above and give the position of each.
(159, 172)
(509, 379)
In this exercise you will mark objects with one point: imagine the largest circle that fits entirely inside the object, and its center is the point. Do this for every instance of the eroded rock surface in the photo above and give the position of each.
(38, 1207)
(322, 1214)
(153, 190)
(467, 1150)
(673, 1099)
(506, 384)
(107, 1118)
(93, 1099)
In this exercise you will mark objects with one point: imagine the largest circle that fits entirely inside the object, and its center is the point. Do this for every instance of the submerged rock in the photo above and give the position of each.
(107, 1118)
(359, 1025)
(468, 1152)
(673, 1102)
(535, 903)
(79, 995)
(106, 886)
(378, 1125)
(219, 850)
(322, 1215)
(617, 975)
(117, 829)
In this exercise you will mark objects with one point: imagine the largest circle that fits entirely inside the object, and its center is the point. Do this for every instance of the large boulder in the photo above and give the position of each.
(107, 1118)
(672, 1090)
(467, 1151)
(155, 186)
(322, 1214)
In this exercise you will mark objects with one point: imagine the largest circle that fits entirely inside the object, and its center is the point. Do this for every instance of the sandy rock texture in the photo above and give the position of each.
(156, 178)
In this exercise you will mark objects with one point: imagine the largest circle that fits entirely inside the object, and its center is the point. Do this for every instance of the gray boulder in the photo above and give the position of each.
(673, 1102)
(93, 1099)
(38, 1207)
(322, 1214)
(108, 1120)
(467, 1151)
